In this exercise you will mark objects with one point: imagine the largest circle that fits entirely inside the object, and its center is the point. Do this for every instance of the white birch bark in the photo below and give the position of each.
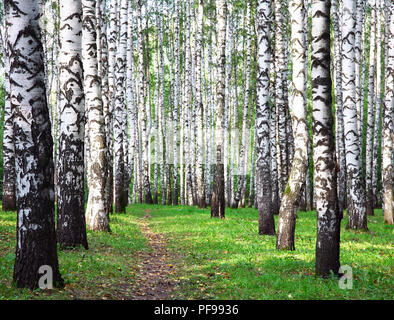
(288, 208)
(97, 207)
(387, 167)
(356, 204)
(263, 119)
(328, 215)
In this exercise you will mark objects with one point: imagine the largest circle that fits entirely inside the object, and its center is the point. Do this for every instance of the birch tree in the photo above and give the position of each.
(71, 226)
(387, 168)
(9, 198)
(356, 204)
(340, 143)
(371, 111)
(119, 116)
(263, 166)
(288, 208)
(199, 104)
(142, 110)
(328, 215)
(218, 199)
(35, 233)
(97, 207)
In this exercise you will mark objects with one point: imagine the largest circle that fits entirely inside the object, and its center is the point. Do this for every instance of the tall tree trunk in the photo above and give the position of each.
(288, 208)
(119, 119)
(97, 207)
(9, 199)
(387, 168)
(356, 205)
(371, 111)
(103, 71)
(71, 225)
(340, 143)
(378, 106)
(263, 108)
(143, 111)
(280, 97)
(328, 214)
(112, 46)
(35, 234)
(199, 105)
(357, 75)
(218, 202)
(176, 105)
(161, 111)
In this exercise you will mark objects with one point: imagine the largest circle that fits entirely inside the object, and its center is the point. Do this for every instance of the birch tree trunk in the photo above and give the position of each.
(356, 205)
(371, 112)
(71, 225)
(112, 45)
(280, 97)
(35, 233)
(288, 208)
(243, 157)
(119, 117)
(263, 165)
(378, 105)
(328, 215)
(388, 134)
(142, 110)
(340, 143)
(176, 105)
(97, 207)
(357, 70)
(218, 199)
(199, 104)
(8, 200)
(162, 127)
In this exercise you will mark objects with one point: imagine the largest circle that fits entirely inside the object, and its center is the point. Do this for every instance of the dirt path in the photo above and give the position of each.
(152, 282)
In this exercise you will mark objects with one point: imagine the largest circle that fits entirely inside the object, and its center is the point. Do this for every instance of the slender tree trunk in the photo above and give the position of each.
(340, 143)
(263, 108)
(378, 106)
(71, 225)
(371, 111)
(119, 119)
(9, 199)
(280, 97)
(388, 135)
(199, 105)
(218, 202)
(328, 214)
(143, 111)
(162, 119)
(243, 158)
(112, 48)
(97, 207)
(35, 233)
(356, 205)
(288, 208)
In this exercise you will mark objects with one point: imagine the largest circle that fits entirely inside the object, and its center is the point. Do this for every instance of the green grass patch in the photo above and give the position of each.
(105, 271)
(227, 259)
(213, 259)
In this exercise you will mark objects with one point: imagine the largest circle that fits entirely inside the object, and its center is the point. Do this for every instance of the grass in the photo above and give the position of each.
(213, 259)
(229, 260)
(105, 271)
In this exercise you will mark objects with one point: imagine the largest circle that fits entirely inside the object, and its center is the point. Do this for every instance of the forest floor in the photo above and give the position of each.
(167, 252)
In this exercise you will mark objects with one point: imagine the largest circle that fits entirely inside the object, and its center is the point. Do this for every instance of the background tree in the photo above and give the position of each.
(218, 203)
